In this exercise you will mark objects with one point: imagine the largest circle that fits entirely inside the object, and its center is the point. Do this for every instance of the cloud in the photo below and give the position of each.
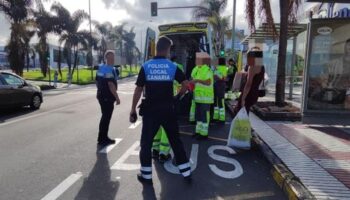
(4, 30)
(136, 13)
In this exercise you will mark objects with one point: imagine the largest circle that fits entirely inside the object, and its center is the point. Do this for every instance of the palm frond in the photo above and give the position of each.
(293, 9)
(201, 13)
(79, 16)
(250, 14)
(266, 16)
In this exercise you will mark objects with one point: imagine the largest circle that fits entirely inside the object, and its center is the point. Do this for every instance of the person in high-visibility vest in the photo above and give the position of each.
(220, 76)
(192, 117)
(203, 78)
(161, 147)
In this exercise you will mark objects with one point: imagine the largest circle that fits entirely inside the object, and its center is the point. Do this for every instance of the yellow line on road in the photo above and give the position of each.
(210, 137)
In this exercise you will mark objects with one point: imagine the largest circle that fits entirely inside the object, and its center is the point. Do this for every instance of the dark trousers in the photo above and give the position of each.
(107, 107)
(154, 117)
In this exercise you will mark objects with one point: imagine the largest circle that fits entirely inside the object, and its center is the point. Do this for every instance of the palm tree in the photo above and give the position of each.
(28, 48)
(33, 55)
(45, 24)
(211, 10)
(17, 14)
(117, 36)
(72, 38)
(130, 46)
(105, 34)
(288, 13)
(221, 24)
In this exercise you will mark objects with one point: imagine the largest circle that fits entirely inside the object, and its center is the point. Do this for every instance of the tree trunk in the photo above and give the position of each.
(281, 67)
(28, 60)
(75, 60)
(59, 61)
(33, 57)
(43, 50)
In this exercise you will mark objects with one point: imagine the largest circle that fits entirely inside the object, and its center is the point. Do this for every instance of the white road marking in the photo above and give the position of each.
(135, 125)
(170, 167)
(121, 165)
(63, 186)
(39, 114)
(238, 170)
(327, 141)
(108, 148)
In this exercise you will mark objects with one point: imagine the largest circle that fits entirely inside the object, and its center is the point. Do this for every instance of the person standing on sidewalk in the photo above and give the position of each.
(256, 72)
(106, 80)
(156, 77)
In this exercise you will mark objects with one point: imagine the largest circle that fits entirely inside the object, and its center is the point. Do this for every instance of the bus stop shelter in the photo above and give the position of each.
(264, 32)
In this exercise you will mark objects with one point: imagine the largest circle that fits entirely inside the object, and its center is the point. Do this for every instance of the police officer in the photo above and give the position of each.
(106, 80)
(157, 76)
(161, 147)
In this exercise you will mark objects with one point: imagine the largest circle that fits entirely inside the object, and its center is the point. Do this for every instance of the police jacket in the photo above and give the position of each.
(104, 75)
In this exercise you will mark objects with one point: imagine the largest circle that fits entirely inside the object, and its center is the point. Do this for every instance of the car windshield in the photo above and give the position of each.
(12, 80)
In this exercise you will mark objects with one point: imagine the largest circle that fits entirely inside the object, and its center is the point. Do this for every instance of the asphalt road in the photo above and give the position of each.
(52, 154)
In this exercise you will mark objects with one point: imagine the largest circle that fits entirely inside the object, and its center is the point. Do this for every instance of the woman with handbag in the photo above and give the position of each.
(256, 72)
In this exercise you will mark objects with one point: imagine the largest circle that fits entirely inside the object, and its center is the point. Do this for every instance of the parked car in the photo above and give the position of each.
(16, 92)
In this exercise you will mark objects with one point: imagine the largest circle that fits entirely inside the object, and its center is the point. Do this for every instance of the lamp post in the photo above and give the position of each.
(233, 27)
(90, 51)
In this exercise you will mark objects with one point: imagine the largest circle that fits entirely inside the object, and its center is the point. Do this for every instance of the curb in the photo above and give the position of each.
(286, 180)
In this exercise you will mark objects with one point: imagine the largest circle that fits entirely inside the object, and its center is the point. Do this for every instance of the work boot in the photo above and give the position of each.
(155, 154)
(163, 158)
(143, 180)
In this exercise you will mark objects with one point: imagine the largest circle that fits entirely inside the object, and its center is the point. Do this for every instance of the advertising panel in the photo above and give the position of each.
(328, 69)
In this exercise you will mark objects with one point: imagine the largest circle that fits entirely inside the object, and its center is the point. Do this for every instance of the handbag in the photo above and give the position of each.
(262, 90)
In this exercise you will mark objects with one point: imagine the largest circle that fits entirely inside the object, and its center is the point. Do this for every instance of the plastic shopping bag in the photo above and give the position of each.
(240, 131)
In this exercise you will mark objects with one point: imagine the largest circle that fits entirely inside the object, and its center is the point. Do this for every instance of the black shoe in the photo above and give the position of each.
(106, 142)
(155, 154)
(201, 137)
(143, 180)
(163, 158)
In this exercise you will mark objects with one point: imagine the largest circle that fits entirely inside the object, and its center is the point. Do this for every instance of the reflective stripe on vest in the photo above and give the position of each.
(160, 70)
(204, 93)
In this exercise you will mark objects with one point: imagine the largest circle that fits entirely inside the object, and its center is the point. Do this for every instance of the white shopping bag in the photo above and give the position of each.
(240, 131)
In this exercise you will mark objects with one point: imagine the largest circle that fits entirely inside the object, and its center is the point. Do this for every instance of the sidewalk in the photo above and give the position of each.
(318, 156)
(59, 85)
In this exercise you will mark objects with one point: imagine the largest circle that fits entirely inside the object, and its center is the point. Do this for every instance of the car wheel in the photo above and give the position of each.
(36, 102)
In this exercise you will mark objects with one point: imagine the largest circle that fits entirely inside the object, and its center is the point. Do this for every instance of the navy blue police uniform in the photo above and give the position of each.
(157, 77)
(105, 98)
